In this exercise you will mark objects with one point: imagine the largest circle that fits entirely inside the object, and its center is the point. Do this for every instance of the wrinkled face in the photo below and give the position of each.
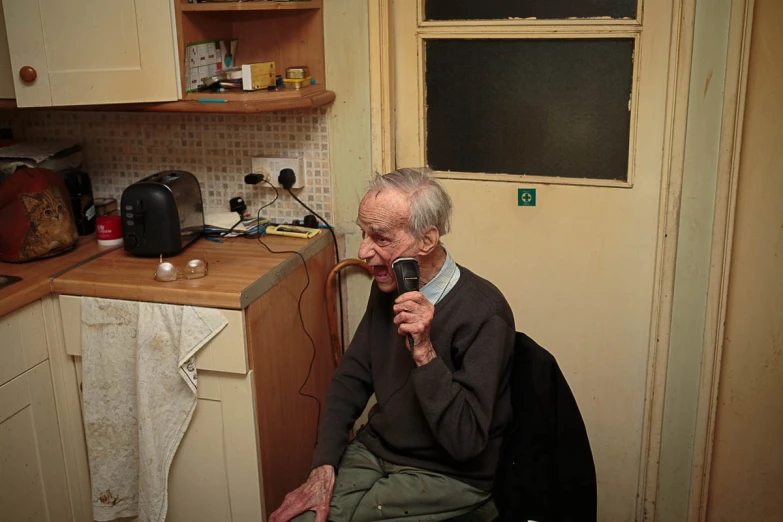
(383, 219)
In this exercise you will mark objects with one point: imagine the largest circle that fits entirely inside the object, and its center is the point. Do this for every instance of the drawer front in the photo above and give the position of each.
(22, 341)
(226, 352)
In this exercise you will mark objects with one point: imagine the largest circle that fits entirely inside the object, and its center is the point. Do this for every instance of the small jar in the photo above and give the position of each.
(109, 230)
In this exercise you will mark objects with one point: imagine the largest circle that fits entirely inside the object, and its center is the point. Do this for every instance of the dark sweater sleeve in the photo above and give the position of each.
(349, 391)
(459, 406)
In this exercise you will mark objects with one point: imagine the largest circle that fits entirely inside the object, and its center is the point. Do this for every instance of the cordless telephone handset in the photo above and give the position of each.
(406, 271)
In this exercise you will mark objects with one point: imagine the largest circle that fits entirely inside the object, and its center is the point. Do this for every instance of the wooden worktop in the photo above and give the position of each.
(37, 275)
(240, 270)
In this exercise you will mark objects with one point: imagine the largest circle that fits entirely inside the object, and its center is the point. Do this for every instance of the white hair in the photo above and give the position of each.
(430, 205)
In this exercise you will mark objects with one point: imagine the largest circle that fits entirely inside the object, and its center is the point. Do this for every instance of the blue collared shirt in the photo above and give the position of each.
(442, 283)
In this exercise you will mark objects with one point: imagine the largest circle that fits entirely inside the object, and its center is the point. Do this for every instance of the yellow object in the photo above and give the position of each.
(257, 76)
(297, 73)
(297, 83)
(292, 231)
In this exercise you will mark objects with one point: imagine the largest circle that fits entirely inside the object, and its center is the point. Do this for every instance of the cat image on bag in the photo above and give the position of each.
(51, 225)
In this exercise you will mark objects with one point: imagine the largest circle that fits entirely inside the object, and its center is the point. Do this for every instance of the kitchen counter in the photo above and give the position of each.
(37, 275)
(240, 271)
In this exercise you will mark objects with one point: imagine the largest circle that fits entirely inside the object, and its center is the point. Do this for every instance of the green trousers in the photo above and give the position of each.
(370, 489)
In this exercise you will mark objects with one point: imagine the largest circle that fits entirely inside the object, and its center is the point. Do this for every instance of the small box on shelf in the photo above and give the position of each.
(206, 59)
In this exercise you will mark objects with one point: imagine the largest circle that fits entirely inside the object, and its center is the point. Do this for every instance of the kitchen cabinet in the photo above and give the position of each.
(130, 54)
(33, 481)
(251, 438)
(215, 473)
(90, 52)
(6, 76)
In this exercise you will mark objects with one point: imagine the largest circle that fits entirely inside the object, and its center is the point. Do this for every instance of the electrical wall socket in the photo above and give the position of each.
(270, 168)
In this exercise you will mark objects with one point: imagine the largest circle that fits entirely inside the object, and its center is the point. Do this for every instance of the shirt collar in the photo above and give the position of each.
(435, 289)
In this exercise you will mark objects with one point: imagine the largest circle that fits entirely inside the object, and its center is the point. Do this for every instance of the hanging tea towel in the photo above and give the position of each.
(139, 395)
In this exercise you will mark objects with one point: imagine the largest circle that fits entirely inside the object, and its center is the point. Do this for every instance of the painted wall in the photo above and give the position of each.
(346, 39)
(747, 467)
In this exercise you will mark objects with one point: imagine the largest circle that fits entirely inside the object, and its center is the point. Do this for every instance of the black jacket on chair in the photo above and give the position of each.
(546, 471)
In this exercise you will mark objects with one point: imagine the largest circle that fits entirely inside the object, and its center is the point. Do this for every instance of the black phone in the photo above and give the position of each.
(406, 271)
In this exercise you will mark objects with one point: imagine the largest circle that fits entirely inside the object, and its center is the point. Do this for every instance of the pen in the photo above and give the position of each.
(212, 100)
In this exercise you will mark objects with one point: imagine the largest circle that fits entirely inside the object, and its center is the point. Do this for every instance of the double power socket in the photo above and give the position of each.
(270, 168)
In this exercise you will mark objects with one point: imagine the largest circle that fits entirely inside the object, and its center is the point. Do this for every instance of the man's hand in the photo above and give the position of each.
(313, 495)
(413, 315)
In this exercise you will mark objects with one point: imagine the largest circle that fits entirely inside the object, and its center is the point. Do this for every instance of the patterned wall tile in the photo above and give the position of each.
(120, 148)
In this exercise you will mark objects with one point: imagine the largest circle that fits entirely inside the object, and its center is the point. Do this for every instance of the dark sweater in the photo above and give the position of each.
(447, 416)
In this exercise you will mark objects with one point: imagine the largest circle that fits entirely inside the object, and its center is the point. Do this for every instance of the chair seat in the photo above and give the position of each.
(487, 512)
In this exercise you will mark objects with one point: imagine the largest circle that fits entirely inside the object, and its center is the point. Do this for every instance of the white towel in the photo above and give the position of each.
(139, 393)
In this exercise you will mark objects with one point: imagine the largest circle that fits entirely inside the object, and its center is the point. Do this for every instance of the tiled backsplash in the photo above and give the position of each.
(120, 148)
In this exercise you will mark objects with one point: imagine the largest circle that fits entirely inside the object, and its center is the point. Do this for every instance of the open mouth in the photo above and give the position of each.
(382, 274)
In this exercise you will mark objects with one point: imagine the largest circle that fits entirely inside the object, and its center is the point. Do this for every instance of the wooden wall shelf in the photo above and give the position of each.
(251, 6)
(244, 103)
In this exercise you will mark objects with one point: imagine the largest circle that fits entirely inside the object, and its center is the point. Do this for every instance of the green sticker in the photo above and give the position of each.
(526, 198)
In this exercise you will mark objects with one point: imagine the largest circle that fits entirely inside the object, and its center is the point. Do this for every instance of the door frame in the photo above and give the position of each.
(382, 115)
(733, 115)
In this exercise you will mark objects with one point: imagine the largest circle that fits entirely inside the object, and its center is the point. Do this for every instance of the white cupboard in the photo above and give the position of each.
(6, 76)
(90, 52)
(33, 480)
(215, 475)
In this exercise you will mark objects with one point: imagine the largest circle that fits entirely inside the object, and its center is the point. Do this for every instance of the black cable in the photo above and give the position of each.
(258, 214)
(301, 317)
(222, 232)
(337, 256)
(232, 227)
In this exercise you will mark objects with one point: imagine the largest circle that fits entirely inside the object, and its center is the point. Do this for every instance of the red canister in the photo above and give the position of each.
(109, 230)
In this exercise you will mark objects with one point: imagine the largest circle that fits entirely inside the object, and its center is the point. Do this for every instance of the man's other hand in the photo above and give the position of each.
(413, 315)
(314, 495)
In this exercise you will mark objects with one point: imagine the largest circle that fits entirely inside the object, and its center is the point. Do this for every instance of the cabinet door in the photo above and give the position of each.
(215, 475)
(6, 77)
(89, 52)
(33, 484)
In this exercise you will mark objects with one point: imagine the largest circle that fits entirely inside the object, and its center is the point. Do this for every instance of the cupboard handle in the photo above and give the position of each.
(28, 74)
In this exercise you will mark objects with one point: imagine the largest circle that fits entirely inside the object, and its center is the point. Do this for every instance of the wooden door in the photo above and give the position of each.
(90, 52)
(747, 458)
(576, 257)
(33, 485)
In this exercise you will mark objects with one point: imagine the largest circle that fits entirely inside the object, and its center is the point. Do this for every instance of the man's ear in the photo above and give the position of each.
(429, 241)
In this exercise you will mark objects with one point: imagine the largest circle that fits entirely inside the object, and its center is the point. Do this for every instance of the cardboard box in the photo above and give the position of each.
(257, 76)
(205, 59)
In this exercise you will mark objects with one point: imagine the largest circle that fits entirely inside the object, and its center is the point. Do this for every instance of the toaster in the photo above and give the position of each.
(162, 213)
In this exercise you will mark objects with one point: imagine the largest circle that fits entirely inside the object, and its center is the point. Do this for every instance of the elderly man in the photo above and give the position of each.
(430, 447)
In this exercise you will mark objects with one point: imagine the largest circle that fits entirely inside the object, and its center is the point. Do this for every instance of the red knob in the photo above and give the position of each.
(28, 74)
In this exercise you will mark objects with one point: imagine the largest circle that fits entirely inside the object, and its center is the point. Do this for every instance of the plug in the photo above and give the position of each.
(253, 179)
(237, 205)
(287, 178)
